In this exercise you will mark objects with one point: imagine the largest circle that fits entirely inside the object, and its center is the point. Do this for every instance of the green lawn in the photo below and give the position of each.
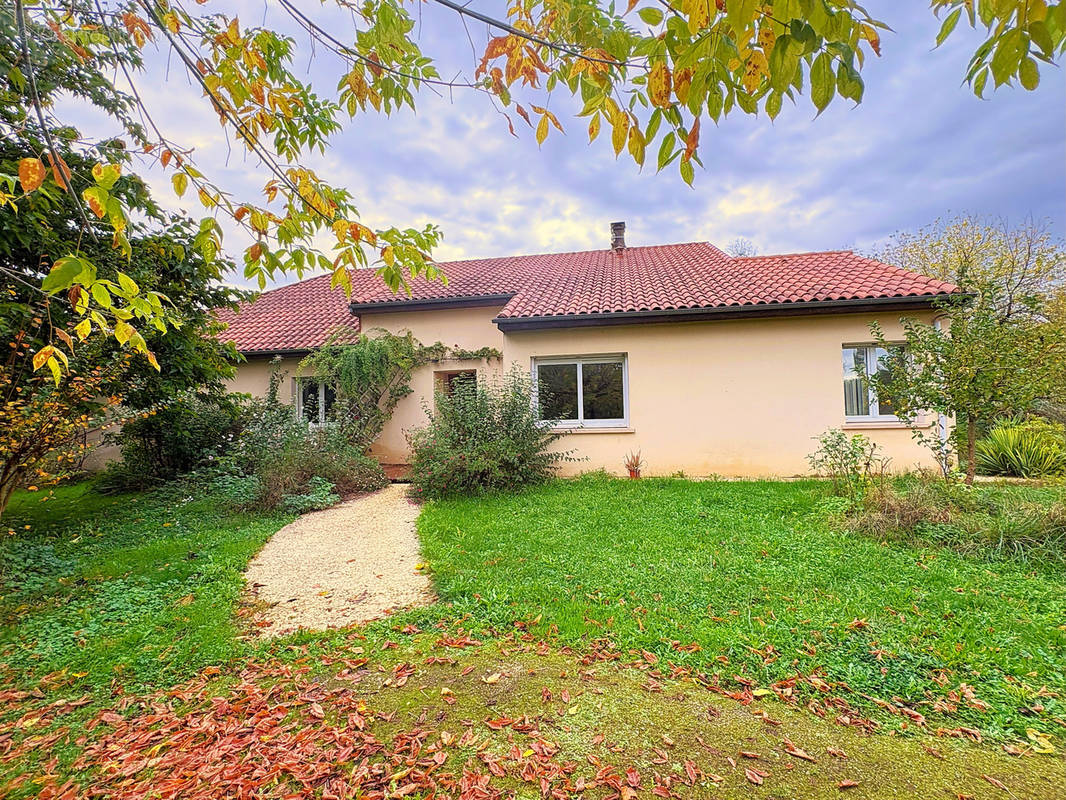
(755, 574)
(111, 608)
(138, 589)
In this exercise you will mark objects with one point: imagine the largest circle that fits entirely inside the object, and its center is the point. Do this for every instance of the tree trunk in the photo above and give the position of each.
(6, 490)
(971, 449)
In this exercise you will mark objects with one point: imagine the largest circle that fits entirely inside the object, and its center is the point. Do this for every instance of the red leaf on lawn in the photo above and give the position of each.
(998, 784)
(633, 777)
(847, 783)
(798, 752)
(755, 776)
(690, 770)
(317, 712)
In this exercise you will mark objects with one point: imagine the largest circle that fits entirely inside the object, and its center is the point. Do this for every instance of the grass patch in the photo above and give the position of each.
(1022, 524)
(756, 576)
(135, 590)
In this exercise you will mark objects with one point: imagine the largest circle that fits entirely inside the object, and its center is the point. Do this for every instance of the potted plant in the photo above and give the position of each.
(633, 463)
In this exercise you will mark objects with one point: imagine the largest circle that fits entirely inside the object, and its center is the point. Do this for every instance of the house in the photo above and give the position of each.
(704, 363)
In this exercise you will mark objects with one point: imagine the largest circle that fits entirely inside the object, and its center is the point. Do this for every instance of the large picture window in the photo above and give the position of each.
(314, 400)
(587, 391)
(861, 402)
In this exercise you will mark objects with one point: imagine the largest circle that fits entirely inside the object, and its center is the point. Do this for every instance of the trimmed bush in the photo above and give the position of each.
(1031, 448)
(481, 438)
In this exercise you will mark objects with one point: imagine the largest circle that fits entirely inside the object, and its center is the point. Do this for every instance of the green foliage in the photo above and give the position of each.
(1031, 448)
(288, 459)
(753, 572)
(1017, 269)
(483, 437)
(319, 495)
(853, 463)
(189, 433)
(675, 71)
(371, 375)
(980, 367)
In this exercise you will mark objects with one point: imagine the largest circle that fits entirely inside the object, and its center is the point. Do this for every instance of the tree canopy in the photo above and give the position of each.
(648, 76)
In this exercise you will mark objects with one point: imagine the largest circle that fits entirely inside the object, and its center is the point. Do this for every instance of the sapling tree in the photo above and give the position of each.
(976, 366)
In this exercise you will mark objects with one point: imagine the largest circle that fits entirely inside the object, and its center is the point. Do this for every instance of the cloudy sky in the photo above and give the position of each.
(920, 146)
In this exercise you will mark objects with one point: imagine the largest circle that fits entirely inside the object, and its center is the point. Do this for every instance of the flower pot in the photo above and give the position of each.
(634, 473)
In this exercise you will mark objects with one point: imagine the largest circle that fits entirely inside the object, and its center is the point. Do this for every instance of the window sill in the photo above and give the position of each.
(565, 429)
(883, 424)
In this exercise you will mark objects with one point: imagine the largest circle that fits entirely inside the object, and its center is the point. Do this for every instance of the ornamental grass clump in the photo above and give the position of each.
(483, 437)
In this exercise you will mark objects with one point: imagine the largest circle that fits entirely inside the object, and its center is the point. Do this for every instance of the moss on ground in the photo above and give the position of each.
(617, 716)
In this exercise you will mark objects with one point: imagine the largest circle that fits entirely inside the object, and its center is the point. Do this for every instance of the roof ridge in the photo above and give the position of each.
(798, 253)
(582, 252)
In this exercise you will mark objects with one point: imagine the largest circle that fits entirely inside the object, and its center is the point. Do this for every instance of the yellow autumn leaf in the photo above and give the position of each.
(170, 19)
(659, 84)
(594, 128)
(542, 129)
(31, 174)
(754, 70)
(83, 328)
(41, 356)
(123, 331)
(619, 132)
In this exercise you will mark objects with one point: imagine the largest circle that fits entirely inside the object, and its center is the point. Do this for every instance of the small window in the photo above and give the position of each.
(448, 381)
(860, 400)
(583, 392)
(314, 400)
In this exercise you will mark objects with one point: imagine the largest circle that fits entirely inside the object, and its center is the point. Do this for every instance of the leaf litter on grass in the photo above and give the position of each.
(553, 723)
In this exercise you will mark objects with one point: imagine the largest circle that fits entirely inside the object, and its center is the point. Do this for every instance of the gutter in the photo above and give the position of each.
(272, 353)
(853, 306)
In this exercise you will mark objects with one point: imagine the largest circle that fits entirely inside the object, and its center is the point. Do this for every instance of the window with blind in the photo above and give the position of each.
(861, 401)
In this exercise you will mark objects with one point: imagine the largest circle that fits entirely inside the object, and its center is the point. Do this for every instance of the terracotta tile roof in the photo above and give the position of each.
(300, 316)
(661, 278)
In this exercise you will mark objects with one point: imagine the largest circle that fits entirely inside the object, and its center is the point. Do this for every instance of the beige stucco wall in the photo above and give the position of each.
(732, 397)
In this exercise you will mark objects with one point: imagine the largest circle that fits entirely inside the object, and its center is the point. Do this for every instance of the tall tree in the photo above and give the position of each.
(650, 73)
(1019, 268)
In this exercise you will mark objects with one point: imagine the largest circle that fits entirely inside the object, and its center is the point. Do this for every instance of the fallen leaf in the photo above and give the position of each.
(755, 775)
(997, 783)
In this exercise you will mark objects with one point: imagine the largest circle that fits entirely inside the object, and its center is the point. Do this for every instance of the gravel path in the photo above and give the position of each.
(347, 564)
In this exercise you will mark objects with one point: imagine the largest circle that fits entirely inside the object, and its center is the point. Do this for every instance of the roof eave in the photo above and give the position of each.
(431, 303)
(849, 306)
(271, 353)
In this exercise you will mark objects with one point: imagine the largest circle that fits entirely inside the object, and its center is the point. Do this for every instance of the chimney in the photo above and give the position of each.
(618, 236)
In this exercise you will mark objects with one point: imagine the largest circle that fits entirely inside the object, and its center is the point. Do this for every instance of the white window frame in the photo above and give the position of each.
(299, 394)
(870, 358)
(580, 422)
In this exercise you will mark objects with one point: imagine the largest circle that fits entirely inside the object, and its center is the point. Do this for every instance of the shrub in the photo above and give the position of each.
(851, 462)
(319, 496)
(173, 441)
(483, 437)
(289, 459)
(1031, 448)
